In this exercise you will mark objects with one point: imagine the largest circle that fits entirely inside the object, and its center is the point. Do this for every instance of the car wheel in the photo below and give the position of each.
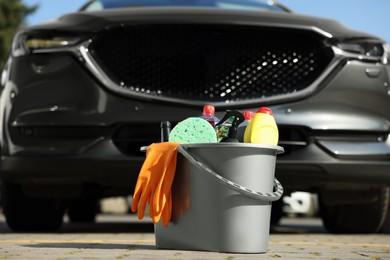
(26, 213)
(83, 210)
(363, 217)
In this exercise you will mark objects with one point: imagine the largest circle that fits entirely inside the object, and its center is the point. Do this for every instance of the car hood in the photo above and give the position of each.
(95, 21)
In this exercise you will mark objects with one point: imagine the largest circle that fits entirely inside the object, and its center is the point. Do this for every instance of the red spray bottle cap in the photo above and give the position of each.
(208, 110)
(248, 115)
(265, 110)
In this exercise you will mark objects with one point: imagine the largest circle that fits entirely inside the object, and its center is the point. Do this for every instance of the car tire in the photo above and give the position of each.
(83, 210)
(365, 217)
(277, 211)
(27, 213)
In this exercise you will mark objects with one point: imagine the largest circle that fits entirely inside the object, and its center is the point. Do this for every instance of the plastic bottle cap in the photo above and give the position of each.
(208, 110)
(248, 114)
(265, 110)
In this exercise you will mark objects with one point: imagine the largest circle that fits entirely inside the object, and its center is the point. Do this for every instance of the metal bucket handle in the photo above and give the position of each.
(273, 196)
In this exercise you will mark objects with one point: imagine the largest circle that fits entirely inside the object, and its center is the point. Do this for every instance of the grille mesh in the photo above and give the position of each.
(216, 63)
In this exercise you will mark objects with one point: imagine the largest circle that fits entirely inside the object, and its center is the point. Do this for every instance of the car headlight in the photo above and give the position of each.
(386, 59)
(365, 49)
(25, 44)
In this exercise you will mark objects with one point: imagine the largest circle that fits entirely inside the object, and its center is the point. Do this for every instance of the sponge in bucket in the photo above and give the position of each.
(193, 130)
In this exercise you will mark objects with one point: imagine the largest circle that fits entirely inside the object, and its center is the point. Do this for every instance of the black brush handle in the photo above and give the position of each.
(165, 130)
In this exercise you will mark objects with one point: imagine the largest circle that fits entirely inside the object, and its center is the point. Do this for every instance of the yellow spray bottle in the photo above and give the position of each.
(262, 129)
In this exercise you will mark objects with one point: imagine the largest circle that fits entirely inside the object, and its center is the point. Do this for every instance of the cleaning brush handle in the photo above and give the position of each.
(165, 130)
(268, 196)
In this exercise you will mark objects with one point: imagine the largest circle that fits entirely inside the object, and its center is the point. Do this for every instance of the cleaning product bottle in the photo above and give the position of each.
(248, 115)
(262, 129)
(223, 127)
(209, 115)
(236, 118)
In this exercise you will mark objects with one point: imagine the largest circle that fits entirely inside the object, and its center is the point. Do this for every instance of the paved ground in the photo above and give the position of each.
(125, 237)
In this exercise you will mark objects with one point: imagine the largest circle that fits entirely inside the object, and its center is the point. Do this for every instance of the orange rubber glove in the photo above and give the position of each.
(155, 181)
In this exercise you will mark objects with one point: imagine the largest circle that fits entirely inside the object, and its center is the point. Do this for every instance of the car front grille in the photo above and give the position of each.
(210, 63)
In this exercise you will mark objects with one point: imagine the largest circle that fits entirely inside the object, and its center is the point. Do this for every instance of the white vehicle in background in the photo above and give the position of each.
(301, 204)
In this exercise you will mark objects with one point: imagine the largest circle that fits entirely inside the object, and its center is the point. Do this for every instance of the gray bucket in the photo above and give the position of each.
(221, 198)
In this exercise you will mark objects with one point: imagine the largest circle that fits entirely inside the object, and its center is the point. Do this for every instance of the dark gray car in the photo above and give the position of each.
(82, 94)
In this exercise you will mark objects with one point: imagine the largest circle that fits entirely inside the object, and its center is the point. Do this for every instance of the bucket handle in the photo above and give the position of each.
(272, 196)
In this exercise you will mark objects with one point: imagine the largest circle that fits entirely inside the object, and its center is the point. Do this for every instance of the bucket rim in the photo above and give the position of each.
(276, 148)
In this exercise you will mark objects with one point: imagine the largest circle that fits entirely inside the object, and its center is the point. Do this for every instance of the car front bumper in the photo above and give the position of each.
(62, 126)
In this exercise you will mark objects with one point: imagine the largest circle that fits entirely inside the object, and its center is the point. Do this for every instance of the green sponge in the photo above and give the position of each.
(193, 130)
